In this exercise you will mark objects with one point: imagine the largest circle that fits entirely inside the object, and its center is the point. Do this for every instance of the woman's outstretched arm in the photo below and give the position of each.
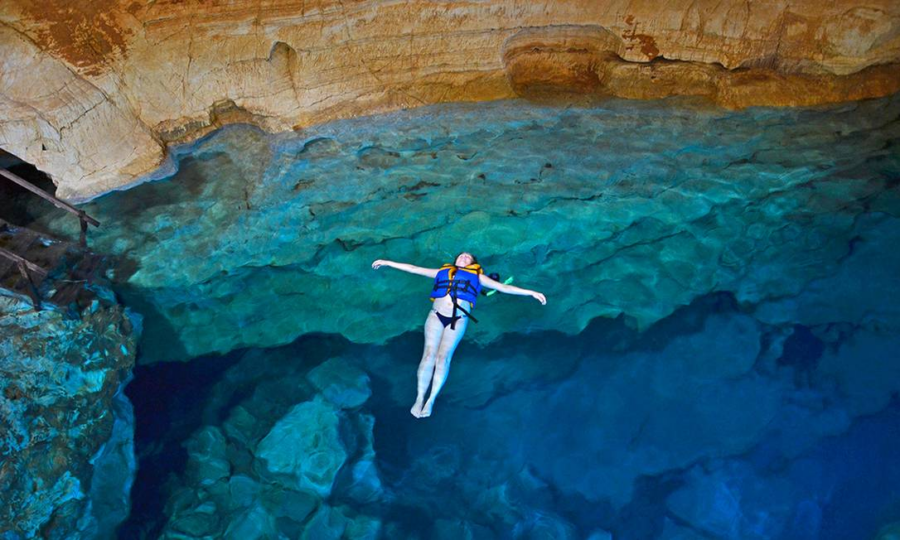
(509, 289)
(412, 269)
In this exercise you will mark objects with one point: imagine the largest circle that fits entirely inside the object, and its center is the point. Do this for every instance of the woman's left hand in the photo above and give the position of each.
(539, 297)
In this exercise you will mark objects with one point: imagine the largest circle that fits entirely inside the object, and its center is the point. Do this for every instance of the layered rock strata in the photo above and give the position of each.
(92, 92)
(66, 430)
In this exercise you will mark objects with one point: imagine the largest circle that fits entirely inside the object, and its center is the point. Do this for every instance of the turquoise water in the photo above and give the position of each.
(718, 357)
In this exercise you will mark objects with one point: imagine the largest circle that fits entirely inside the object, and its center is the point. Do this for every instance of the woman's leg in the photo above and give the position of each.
(449, 340)
(433, 331)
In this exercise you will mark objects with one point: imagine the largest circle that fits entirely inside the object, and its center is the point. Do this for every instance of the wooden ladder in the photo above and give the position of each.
(17, 271)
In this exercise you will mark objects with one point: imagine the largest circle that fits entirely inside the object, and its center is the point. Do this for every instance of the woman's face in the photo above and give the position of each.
(464, 259)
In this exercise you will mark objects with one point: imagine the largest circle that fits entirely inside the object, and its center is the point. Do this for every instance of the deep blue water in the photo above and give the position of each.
(718, 357)
(838, 486)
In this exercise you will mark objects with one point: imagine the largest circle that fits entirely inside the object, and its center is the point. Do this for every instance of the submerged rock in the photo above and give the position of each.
(889, 532)
(341, 383)
(326, 523)
(641, 403)
(341, 523)
(733, 502)
(295, 506)
(65, 429)
(207, 460)
(361, 482)
(842, 295)
(281, 452)
(114, 471)
(304, 451)
(445, 529)
(201, 522)
(671, 531)
(255, 523)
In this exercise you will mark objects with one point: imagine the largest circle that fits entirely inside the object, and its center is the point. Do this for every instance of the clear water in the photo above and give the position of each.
(718, 357)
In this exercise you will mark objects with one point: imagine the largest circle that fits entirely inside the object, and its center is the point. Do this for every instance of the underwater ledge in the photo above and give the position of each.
(254, 239)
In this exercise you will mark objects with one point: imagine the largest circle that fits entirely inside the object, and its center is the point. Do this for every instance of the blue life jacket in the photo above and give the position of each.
(460, 282)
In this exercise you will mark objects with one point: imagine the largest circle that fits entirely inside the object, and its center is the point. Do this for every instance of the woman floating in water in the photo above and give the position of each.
(456, 287)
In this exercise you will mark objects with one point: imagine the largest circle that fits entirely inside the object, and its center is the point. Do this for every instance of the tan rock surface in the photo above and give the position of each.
(92, 91)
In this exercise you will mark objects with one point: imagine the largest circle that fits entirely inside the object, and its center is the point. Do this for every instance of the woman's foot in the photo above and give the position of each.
(425, 411)
(417, 409)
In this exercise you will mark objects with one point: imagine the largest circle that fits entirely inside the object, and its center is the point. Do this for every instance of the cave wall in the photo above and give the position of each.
(66, 430)
(92, 92)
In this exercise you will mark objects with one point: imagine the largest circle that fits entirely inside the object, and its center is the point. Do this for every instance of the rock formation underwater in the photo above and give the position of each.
(718, 357)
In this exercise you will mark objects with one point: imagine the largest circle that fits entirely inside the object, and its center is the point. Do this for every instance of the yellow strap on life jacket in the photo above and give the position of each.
(473, 268)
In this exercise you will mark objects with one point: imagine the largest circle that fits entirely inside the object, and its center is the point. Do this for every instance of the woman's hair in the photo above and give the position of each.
(474, 259)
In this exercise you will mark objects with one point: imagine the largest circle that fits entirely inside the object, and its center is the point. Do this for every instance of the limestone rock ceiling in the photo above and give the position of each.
(93, 91)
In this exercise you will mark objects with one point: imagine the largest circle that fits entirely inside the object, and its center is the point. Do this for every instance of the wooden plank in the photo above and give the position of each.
(29, 284)
(44, 195)
(28, 264)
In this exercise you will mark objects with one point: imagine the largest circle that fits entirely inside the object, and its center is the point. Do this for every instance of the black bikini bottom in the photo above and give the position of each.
(446, 321)
(451, 321)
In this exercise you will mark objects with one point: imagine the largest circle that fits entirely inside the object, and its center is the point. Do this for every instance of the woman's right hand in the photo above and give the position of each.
(539, 297)
(379, 263)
